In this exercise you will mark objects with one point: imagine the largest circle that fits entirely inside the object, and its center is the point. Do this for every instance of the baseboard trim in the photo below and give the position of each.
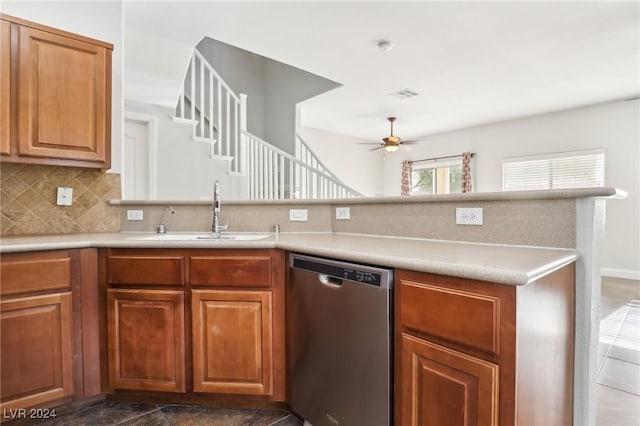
(627, 274)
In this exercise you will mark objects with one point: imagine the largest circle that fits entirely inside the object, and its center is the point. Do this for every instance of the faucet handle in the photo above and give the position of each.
(224, 227)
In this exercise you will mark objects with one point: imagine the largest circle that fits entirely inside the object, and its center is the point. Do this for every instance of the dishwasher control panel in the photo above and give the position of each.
(373, 275)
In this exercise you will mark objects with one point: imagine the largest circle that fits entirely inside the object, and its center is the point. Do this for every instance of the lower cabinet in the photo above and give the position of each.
(146, 340)
(475, 353)
(232, 341)
(195, 321)
(49, 331)
(37, 350)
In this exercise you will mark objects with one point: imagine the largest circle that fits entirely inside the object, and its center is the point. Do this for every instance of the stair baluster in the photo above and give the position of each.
(219, 118)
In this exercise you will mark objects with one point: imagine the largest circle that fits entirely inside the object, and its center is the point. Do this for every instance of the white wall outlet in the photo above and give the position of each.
(298, 215)
(65, 196)
(469, 215)
(135, 214)
(343, 213)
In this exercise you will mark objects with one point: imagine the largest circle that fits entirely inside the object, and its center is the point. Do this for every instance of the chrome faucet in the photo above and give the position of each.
(215, 226)
(161, 229)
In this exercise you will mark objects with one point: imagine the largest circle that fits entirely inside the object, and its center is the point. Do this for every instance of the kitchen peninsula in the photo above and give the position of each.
(525, 238)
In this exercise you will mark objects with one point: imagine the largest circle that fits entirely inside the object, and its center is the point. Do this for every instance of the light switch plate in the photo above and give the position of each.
(65, 196)
(135, 214)
(343, 213)
(469, 215)
(298, 215)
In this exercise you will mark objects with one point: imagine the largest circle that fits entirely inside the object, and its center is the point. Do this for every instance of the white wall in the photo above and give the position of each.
(353, 164)
(242, 71)
(273, 89)
(184, 169)
(95, 19)
(285, 87)
(614, 126)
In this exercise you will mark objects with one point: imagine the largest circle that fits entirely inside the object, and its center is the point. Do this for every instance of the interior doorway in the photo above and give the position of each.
(139, 157)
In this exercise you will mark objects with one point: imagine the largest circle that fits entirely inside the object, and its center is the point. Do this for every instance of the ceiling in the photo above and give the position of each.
(471, 62)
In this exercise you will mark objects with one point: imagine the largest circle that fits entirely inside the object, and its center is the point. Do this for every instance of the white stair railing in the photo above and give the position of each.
(307, 156)
(218, 117)
(273, 174)
(218, 114)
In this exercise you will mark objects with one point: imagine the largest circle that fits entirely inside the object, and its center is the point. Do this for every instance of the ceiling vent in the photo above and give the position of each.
(404, 94)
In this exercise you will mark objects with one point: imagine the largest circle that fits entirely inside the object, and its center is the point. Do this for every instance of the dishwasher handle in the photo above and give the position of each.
(329, 281)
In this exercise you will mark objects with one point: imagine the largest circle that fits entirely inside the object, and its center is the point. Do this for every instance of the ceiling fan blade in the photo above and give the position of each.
(375, 149)
(369, 143)
(413, 141)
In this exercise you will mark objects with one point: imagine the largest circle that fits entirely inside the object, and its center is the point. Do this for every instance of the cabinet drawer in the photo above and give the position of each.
(470, 319)
(236, 271)
(156, 270)
(29, 272)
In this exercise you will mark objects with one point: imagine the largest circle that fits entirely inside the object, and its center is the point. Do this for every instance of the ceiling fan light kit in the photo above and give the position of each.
(390, 143)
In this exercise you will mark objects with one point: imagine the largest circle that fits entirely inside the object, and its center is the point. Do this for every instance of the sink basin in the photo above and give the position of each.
(204, 237)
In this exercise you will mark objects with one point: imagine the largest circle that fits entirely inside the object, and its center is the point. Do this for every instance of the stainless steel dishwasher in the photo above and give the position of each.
(340, 342)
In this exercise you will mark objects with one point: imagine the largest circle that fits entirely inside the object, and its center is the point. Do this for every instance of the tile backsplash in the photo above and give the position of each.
(28, 200)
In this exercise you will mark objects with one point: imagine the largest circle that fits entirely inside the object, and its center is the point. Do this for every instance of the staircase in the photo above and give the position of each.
(218, 117)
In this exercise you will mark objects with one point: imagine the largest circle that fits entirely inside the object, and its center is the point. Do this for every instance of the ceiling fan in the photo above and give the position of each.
(391, 143)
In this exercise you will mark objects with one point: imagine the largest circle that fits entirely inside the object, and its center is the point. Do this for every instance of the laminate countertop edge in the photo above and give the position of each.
(499, 263)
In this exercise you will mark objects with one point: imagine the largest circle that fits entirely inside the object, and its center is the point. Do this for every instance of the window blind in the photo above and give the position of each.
(578, 169)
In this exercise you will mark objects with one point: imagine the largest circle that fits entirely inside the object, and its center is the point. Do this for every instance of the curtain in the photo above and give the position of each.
(406, 178)
(466, 172)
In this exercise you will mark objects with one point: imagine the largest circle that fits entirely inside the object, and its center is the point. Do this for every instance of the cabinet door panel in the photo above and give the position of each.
(232, 342)
(5, 87)
(36, 350)
(146, 340)
(62, 96)
(442, 387)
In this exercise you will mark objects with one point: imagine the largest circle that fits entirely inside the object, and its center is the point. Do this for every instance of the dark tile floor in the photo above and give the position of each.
(138, 414)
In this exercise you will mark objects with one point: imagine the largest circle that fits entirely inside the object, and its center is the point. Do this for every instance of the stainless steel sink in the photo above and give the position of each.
(204, 237)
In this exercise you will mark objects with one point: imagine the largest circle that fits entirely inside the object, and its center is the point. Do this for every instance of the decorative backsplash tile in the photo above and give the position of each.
(28, 200)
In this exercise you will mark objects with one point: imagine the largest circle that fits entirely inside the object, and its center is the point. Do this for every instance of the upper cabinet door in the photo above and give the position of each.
(5, 87)
(64, 104)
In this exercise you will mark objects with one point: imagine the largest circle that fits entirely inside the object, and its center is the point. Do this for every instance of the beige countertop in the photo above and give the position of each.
(546, 194)
(504, 264)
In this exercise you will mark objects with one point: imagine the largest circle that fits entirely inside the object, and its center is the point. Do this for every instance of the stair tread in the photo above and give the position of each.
(205, 140)
(182, 120)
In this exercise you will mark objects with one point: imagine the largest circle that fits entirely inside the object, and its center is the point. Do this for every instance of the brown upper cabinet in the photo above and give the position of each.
(56, 96)
(5, 87)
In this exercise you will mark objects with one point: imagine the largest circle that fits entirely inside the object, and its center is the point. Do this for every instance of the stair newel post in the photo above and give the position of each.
(210, 110)
(202, 101)
(193, 90)
(219, 115)
(241, 166)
